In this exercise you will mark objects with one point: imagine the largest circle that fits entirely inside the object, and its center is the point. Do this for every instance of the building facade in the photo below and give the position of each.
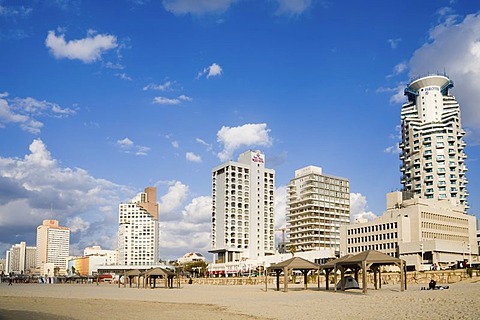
(243, 201)
(423, 232)
(21, 259)
(53, 244)
(432, 146)
(138, 230)
(111, 256)
(317, 205)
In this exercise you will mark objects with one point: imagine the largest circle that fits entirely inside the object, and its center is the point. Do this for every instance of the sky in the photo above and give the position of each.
(100, 99)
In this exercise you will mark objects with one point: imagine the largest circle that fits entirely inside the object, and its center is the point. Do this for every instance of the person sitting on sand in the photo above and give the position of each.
(432, 285)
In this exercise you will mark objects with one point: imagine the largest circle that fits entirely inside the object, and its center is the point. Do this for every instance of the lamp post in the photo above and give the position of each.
(421, 257)
(469, 248)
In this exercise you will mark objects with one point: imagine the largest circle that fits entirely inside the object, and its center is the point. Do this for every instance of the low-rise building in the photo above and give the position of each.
(423, 232)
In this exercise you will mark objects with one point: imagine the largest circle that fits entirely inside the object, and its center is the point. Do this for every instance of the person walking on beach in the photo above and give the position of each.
(10, 281)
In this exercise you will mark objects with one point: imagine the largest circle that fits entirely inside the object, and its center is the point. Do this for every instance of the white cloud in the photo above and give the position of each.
(185, 98)
(175, 144)
(87, 50)
(213, 70)
(394, 42)
(280, 207)
(128, 146)
(123, 76)
(454, 46)
(176, 195)
(233, 138)
(202, 142)
(35, 188)
(359, 208)
(25, 111)
(197, 7)
(168, 101)
(399, 69)
(189, 230)
(77, 224)
(292, 7)
(393, 149)
(166, 86)
(192, 157)
(15, 11)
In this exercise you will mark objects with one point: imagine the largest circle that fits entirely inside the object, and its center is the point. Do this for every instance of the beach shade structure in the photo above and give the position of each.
(133, 274)
(294, 263)
(369, 260)
(151, 275)
(329, 266)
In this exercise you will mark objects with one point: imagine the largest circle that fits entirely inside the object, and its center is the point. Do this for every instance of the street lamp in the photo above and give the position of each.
(421, 257)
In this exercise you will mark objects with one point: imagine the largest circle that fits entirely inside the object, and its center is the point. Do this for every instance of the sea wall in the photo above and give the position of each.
(414, 277)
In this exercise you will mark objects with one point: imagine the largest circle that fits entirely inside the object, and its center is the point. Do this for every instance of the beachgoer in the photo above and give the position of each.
(432, 285)
(10, 281)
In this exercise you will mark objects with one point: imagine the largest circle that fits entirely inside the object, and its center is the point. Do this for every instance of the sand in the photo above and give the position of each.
(198, 302)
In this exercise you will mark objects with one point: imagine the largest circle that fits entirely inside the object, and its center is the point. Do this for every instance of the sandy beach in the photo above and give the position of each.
(106, 301)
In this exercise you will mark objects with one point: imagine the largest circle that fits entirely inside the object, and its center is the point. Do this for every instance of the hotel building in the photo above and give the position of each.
(111, 256)
(432, 146)
(317, 205)
(21, 259)
(53, 245)
(420, 231)
(243, 209)
(138, 230)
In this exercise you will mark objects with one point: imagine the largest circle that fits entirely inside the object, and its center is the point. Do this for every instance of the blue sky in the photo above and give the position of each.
(99, 99)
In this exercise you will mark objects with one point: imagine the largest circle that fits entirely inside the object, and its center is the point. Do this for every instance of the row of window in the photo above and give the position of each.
(375, 228)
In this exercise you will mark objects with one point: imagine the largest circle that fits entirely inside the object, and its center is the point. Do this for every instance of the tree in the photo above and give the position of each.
(197, 268)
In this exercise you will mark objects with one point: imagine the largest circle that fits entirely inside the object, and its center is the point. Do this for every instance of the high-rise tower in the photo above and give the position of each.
(317, 205)
(53, 244)
(138, 230)
(433, 157)
(243, 215)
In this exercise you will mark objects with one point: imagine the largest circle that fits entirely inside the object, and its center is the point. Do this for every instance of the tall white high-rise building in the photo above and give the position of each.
(138, 230)
(317, 205)
(243, 217)
(432, 146)
(21, 259)
(53, 244)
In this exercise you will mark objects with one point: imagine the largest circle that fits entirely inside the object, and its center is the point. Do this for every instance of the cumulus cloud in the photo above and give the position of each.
(77, 224)
(359, 208)
(292, 7)
(176, 195)
(197, 7)
(26, 111)
(87, 50)
(191, 229)
(213, 70)
(39, 188)
(128, 146)
(192, 157)
(185, 98)
(233, 138)
(459, 58)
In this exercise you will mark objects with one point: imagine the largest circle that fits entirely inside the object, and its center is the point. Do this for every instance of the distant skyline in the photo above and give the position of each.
(99, 101)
